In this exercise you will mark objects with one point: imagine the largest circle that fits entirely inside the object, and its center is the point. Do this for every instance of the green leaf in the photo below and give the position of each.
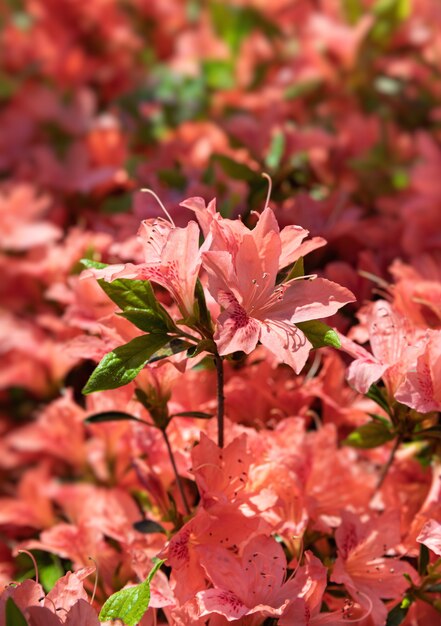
(111, 416)
(201, 310)
(397, 615)
(276, 150)
(353, 10)
(423, 560)
(235, 169)
(298, 270)
(129, 604)
(319, 334)
(90, 264)
(206, 345)
(50, 573)
(118, 203)
(172, 347)
(147, 320)
(219, 73)
(369, 435)
(380, 418)
(377, 396)
(122, 365)
(148, 526)
(14, 617)
(198, 414)
(234, 23)
(133, 296)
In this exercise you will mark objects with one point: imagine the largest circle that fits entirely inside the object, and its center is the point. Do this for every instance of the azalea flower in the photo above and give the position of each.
(252, 585)
(394, 346)
(242, 278)
(172, 260)
(362, 565)
(430, 536)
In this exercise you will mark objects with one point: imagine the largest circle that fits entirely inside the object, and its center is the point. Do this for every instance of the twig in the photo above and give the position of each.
(175, 469)
(389, 462)
(220, 399)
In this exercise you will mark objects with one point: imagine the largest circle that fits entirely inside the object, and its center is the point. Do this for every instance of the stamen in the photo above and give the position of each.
(32, 557)
(95, 585)
(152, 193)
(366, 615)
(375, 279)
(270, 188)
(299, 559)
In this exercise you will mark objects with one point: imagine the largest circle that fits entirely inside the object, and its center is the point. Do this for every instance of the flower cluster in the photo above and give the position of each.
(234, 414)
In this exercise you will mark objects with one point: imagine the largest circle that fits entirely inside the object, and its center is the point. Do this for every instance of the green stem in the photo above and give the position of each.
(175, 469)
(220, 399)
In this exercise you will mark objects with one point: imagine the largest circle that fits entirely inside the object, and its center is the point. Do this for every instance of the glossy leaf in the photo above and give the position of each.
(369, 435)
(319, 334)
(148, 320)
(377, 396)
(111, 416)
(122, 365)
(129, 604)
(133, 296)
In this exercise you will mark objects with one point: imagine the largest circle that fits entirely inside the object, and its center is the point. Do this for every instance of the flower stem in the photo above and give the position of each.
(388, 464)
(175, 469)
(220, 399)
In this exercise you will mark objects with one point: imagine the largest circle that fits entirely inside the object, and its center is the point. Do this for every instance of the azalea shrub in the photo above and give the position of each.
(220, 319)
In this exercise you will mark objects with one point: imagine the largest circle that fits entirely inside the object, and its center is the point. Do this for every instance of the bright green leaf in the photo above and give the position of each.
(133, 296)
(298, 270)
(50, 573)
(276, 150)
(122, 365)
(90, 264)
(129, 604)
(147, 320)
(369, 435)
(319, 334)
(219, 73)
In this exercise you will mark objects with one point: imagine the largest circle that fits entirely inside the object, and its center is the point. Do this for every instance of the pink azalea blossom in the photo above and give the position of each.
(242, 278)
(430, 536)
(393, 344)
(422, 388)
(172, 260)
(252, 585)
(362, 565)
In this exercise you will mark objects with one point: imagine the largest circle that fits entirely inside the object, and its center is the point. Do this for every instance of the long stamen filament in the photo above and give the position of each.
(270, 188)
(32, 557)
(152, 193)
